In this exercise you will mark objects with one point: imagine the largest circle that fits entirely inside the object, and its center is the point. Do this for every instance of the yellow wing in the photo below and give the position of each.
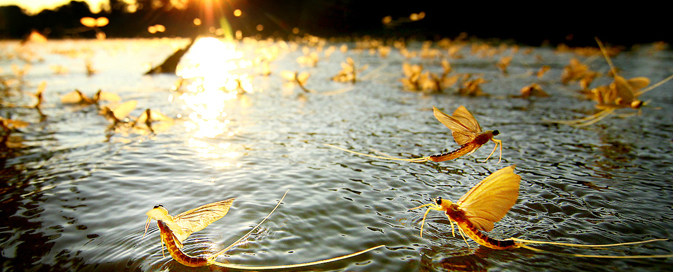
(123, 110)
(303, 77)
(196, 219)
(287, 75)
(624, 91)
(156, 116)
(489, 201)
(108, 96)
(638, 83)
(73, 97)
(462, 124)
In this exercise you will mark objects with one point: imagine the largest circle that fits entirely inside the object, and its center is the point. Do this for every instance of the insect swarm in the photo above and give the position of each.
(621, 93)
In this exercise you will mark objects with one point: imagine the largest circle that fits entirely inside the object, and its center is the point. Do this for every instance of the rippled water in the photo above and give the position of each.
(74, 194)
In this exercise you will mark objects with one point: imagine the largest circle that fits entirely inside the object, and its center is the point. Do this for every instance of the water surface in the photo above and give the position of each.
(75, 194)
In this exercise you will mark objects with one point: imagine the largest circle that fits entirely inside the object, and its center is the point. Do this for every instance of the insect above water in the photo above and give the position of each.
(175, 229)
(620, 94)
(466, 132)
(487, 203)
(77, 97)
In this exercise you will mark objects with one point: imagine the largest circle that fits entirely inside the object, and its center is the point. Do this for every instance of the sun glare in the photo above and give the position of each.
(209, 68)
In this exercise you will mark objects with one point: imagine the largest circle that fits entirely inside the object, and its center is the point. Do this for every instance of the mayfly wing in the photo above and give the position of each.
(108, 96)
(303, 77)
(196, 219)
(287, 75)
(156, 116)
(123, 110)
(624, 91)
(462, 124)
(71, 98)
(638, 83)
(489, 200)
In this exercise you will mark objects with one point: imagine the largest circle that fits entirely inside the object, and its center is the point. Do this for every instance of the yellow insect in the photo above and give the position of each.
(119, 113)
(298, 78)
(466, 132)
(77, 97)
(487, 203)
(175, 229)
(621, 93)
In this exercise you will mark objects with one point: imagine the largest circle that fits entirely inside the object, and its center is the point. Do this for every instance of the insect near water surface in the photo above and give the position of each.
(175, 229)
(466, 132)
(487, 203)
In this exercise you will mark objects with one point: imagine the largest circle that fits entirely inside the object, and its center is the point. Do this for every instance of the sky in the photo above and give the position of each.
(35, 6)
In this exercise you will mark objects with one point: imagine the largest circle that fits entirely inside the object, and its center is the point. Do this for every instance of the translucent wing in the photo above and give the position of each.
(287, 75)
(625, 94)
(303, 77)
(196, 219)
(71, 98)
(462, 124)
(107, 96)
(123, 110)
(155, 117)
(638, 83)
(489, 201)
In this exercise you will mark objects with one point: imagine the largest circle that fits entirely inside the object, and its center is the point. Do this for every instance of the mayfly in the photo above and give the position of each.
(77, 97)
(298, 78)
(466, 132)
(621, 93)
(487, 203)
(150, 117)
(175, 229)
(119, 113)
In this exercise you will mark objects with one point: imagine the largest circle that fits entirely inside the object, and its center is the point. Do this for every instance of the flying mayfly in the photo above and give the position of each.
(487, 203)
(175, 229)
(466, 132)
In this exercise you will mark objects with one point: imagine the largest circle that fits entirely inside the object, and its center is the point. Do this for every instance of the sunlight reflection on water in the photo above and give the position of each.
(209, 70)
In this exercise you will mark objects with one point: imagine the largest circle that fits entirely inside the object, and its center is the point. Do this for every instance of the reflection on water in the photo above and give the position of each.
(208, 70)
(74, 197)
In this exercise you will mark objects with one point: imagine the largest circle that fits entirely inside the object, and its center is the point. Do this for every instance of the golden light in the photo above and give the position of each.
(211, 84)
(421, 15)
(386, 20)
(260, 27)
(197, 21)
(239, 35)
(102, 21)
(88, 21)
(414, 17)
(160, 28)
(151, 29)
(295, 30)
(237, 12)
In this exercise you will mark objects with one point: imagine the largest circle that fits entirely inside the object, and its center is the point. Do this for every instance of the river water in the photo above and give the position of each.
(75, 193)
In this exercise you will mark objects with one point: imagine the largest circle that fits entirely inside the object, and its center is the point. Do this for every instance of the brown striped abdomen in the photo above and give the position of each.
(481, 238)
(466, 148)
(176, 253)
